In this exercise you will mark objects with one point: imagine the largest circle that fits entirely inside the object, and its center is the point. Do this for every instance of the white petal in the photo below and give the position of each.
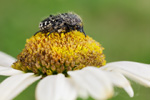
(55, 87)
(6, 60)
(134, 77)
(120, 81)
(13, 85)
(93, 81)
(70, 93)
(136, 71)
(8, 71)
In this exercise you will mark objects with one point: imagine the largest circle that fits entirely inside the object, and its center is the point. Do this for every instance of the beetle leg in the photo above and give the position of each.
(81, 30)
(50, 32)
(37, 32)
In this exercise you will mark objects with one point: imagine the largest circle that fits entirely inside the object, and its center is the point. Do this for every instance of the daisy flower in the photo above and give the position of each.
(69, 65)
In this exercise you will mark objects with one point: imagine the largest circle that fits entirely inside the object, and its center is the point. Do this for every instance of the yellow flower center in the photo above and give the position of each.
(59, 53)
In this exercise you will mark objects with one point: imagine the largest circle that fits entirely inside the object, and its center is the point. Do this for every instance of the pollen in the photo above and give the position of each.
(59, 53)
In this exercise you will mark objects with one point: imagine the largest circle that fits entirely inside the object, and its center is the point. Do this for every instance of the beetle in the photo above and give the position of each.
(61, 23)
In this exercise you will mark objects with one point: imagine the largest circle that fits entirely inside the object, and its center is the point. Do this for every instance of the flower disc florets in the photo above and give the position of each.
(59, 53)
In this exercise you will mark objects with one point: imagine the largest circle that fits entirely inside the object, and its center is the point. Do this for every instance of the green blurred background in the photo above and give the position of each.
(121, 26)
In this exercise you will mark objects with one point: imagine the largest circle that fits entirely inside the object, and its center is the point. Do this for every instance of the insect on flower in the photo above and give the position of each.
(61, 23)
(67, 65)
